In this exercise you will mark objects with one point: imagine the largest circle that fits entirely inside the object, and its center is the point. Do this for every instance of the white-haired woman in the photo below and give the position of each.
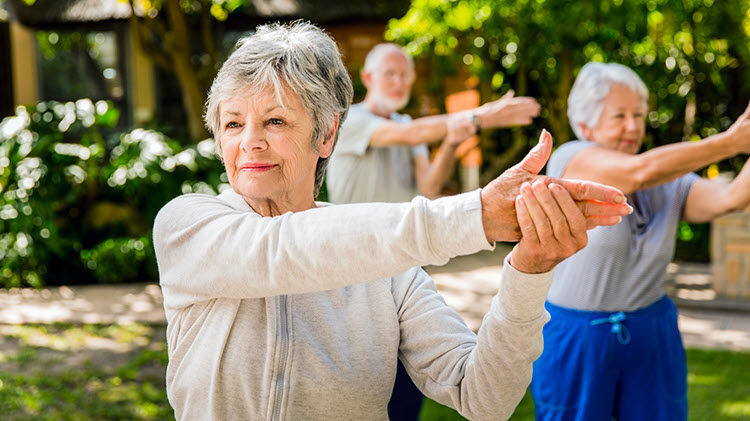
(612, 348)
(279, 308)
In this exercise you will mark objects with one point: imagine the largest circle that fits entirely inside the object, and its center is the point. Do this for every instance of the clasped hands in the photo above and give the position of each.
(547, 216)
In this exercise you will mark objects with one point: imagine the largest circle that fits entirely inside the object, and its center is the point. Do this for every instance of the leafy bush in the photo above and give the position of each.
(77, 198)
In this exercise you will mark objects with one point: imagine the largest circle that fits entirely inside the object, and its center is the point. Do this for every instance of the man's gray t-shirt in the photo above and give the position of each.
(358, 173)
(623, 266)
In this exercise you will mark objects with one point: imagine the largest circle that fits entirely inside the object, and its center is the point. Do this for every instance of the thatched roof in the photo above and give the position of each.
(49, 12)
(65, 12)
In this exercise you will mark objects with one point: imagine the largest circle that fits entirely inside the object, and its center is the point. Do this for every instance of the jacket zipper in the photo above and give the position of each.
(284, 339)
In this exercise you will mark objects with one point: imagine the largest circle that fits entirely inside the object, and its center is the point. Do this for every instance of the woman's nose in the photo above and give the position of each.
(631, 123)
(253, 139)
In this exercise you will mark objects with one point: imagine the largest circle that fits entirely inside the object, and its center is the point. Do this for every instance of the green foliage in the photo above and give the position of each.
(688, 52)
(120, 260)
(692, 54)
(77, 198)
(693, 243)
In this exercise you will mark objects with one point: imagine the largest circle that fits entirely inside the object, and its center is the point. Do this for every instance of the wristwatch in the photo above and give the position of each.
(475, 120)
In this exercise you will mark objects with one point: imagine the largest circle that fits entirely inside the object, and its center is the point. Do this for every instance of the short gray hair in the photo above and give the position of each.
(586, 99)
(299, 56)
(375, 57)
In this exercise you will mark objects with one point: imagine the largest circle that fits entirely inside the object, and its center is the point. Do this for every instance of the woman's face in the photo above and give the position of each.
(267, 149)
(622, 123)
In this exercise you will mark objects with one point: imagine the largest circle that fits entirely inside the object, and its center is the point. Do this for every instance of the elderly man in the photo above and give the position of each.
(382, 156)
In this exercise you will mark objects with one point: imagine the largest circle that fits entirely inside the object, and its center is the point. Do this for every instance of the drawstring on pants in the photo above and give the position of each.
(623, 336)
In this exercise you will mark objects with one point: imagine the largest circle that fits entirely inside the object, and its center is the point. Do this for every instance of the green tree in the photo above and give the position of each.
(179, 35)
(692, 54)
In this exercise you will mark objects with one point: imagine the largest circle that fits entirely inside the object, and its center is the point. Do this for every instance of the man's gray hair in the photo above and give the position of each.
(586, 99)
(298, 56)
(375, 57)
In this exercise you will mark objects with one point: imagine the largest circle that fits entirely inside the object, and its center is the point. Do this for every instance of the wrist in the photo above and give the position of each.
(726, 142)
(476, 122)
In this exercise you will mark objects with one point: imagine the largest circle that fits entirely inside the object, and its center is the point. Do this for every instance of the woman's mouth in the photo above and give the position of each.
(256, 167)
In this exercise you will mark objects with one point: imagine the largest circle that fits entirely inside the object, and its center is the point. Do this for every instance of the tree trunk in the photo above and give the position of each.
(169, 44)
(558, 114)
(179, 46)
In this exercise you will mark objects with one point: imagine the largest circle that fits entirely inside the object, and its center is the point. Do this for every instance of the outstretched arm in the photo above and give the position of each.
(507, 111)
(431, 176)
(710, 199)
(659, 165)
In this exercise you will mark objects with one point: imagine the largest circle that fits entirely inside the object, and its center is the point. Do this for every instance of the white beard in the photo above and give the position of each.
(392, 105)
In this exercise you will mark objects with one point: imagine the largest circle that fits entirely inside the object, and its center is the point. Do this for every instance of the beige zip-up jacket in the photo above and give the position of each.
(303, 316)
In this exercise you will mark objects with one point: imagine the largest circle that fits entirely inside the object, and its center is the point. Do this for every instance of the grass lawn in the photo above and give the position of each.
(102, 372)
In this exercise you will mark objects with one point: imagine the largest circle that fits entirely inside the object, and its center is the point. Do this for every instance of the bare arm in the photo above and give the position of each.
(418, 131)
(709, 199)
(431, 176)
(507, 111)
(630, 173)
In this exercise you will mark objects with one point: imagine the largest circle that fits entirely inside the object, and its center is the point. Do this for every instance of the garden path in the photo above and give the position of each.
(467, 283)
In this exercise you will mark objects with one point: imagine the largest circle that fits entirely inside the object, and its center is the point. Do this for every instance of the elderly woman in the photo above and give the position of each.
(279, 307)
(612, 348)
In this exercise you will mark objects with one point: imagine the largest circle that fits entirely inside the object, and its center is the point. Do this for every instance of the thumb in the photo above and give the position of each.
(746, 114)
(537, 157)
(509, 94)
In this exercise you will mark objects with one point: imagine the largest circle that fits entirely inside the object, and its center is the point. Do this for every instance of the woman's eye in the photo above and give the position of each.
(232, 124)
(275, 121)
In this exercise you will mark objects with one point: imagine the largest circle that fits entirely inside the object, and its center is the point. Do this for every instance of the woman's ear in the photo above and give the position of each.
(326, 146)
(586, 130)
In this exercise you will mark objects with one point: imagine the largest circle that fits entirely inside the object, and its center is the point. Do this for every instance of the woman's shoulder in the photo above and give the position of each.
(201, 203)
(562, 155)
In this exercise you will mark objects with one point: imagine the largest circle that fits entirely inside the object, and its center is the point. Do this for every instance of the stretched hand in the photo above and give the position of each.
(599, 204)
(740, 131)
(508, 111)
(552, 227)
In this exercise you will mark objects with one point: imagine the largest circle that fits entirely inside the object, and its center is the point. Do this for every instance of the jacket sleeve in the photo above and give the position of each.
(482, 376)
(206, 248)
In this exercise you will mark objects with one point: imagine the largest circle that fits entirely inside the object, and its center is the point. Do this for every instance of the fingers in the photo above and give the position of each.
(601, 221)
(577, 222)
(525, 223)
(557, 214)
(596, 208)
(589, 190)
(552, 227)
(535, 160)
(542, 221)
(521, 111)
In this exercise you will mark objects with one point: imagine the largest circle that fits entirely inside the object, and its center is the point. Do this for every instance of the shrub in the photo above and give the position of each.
(77, 198)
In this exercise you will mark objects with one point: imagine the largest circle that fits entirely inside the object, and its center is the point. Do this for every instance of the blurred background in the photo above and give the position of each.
(101, 103)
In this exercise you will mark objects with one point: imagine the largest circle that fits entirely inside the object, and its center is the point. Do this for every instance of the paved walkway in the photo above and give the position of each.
(467, 283)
